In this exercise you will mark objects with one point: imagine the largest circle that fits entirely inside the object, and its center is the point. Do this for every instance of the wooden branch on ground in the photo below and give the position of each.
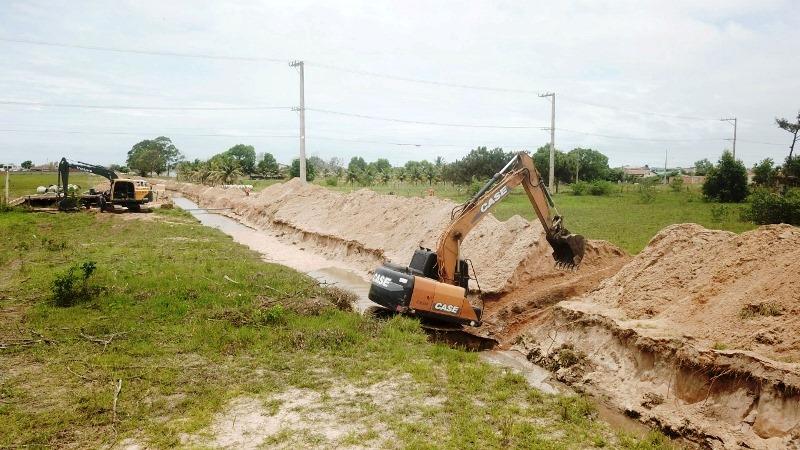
(116, 397)
(102, 341)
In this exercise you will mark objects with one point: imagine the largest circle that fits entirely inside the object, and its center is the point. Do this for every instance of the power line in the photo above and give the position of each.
(142, 52)
(420, 81)
(632, 138)
(763, 143)
(419, 122)
(630, 111)
(128, 107)
(343, 69)
(130, 133)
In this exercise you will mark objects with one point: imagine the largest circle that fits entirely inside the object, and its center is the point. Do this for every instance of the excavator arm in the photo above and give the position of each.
(568, 249)
(434, 285)
(63, 172)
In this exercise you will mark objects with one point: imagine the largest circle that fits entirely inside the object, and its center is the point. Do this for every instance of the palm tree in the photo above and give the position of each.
(227, 170)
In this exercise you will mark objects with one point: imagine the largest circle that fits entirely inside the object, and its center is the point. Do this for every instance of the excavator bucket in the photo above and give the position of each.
(568, 249)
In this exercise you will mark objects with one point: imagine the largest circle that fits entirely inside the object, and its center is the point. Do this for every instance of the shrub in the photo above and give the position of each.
(474, 187)
(332, 181)
(770, 207)
(676, 184)
(647, 189)
(601, 187)
(580, 188)
(719, 213)
(727, 181)
(72, 286)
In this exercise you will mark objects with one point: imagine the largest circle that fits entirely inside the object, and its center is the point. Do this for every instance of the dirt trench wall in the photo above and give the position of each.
(719, 399)
(367, 228)
(726, 290)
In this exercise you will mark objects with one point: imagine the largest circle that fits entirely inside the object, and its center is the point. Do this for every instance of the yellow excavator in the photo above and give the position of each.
(435, 284)
(131, 194)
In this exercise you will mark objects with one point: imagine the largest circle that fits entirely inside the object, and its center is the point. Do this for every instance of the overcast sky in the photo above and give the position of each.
(623, 72)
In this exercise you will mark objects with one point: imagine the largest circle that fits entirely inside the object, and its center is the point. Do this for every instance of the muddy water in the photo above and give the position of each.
(274, 250)
(335, 272)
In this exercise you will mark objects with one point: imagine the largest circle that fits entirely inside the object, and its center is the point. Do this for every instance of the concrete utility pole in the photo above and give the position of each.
(665, 165)
(302, 110)
(8, 168)
(733, 122)
(552, 173)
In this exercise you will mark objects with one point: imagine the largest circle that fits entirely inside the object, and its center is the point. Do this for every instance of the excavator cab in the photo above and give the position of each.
(414, 289)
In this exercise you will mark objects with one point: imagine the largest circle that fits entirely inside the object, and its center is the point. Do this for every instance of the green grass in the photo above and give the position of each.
(25, 183)
(621, 218)
(186, 341)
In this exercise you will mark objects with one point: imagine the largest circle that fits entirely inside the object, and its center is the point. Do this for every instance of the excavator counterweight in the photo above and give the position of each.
(435, 283)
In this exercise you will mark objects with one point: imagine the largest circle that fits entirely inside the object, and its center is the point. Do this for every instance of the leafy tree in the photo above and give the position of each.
(793, 128)
(381, 165)
(311, 170)
(153, 155)
(616, 175)
(268, 166)
(352, 176)
(563, 167)
(118, 168)
(765, 172)
(319, 164)
(357, 164)
(727, 181)
(590, 164)
(428, 171)
(245, 156)
(26, 164)
(400, 174)
(226, 169)
(791, 170)
(481, 163)
(702, 167)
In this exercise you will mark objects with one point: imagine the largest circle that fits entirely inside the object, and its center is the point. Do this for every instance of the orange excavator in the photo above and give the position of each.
(435, 284)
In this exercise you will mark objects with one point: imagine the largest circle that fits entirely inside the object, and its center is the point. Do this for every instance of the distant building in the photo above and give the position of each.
(693, 179)
(638, 172)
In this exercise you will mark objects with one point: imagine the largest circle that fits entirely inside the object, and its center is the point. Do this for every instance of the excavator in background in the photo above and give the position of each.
(131, 194)
(435, 284)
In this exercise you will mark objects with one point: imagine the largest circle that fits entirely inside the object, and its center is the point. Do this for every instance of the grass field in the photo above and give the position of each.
(188, 320)
(621, 218)
(25, 183)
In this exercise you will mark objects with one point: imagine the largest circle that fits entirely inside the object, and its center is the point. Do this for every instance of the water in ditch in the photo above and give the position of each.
(328, 271)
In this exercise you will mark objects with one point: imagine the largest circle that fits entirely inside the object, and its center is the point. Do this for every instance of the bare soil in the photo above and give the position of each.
(698, 334)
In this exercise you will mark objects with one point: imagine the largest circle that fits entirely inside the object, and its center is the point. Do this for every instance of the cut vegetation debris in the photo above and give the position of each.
(697, 334)
(192, 350)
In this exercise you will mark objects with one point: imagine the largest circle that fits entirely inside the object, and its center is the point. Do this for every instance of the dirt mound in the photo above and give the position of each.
(536, 285)
(727, 290)
(367, 228)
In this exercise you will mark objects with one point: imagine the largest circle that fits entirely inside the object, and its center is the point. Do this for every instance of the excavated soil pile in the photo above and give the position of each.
(366, 229)
(698, 334)
(726, 290)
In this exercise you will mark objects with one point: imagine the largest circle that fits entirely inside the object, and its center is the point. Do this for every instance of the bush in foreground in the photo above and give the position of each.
(770, 207)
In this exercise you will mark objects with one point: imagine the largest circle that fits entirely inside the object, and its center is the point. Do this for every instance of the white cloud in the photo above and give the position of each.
(706, 59)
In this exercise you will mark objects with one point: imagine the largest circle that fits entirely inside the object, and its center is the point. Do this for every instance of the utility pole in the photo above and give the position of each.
(665, 165)
(733, 122)
(552, 173)
(7, 167)
(302, 110)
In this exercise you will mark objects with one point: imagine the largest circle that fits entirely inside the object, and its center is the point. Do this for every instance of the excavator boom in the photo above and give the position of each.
(568, 249)
(435, 283)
